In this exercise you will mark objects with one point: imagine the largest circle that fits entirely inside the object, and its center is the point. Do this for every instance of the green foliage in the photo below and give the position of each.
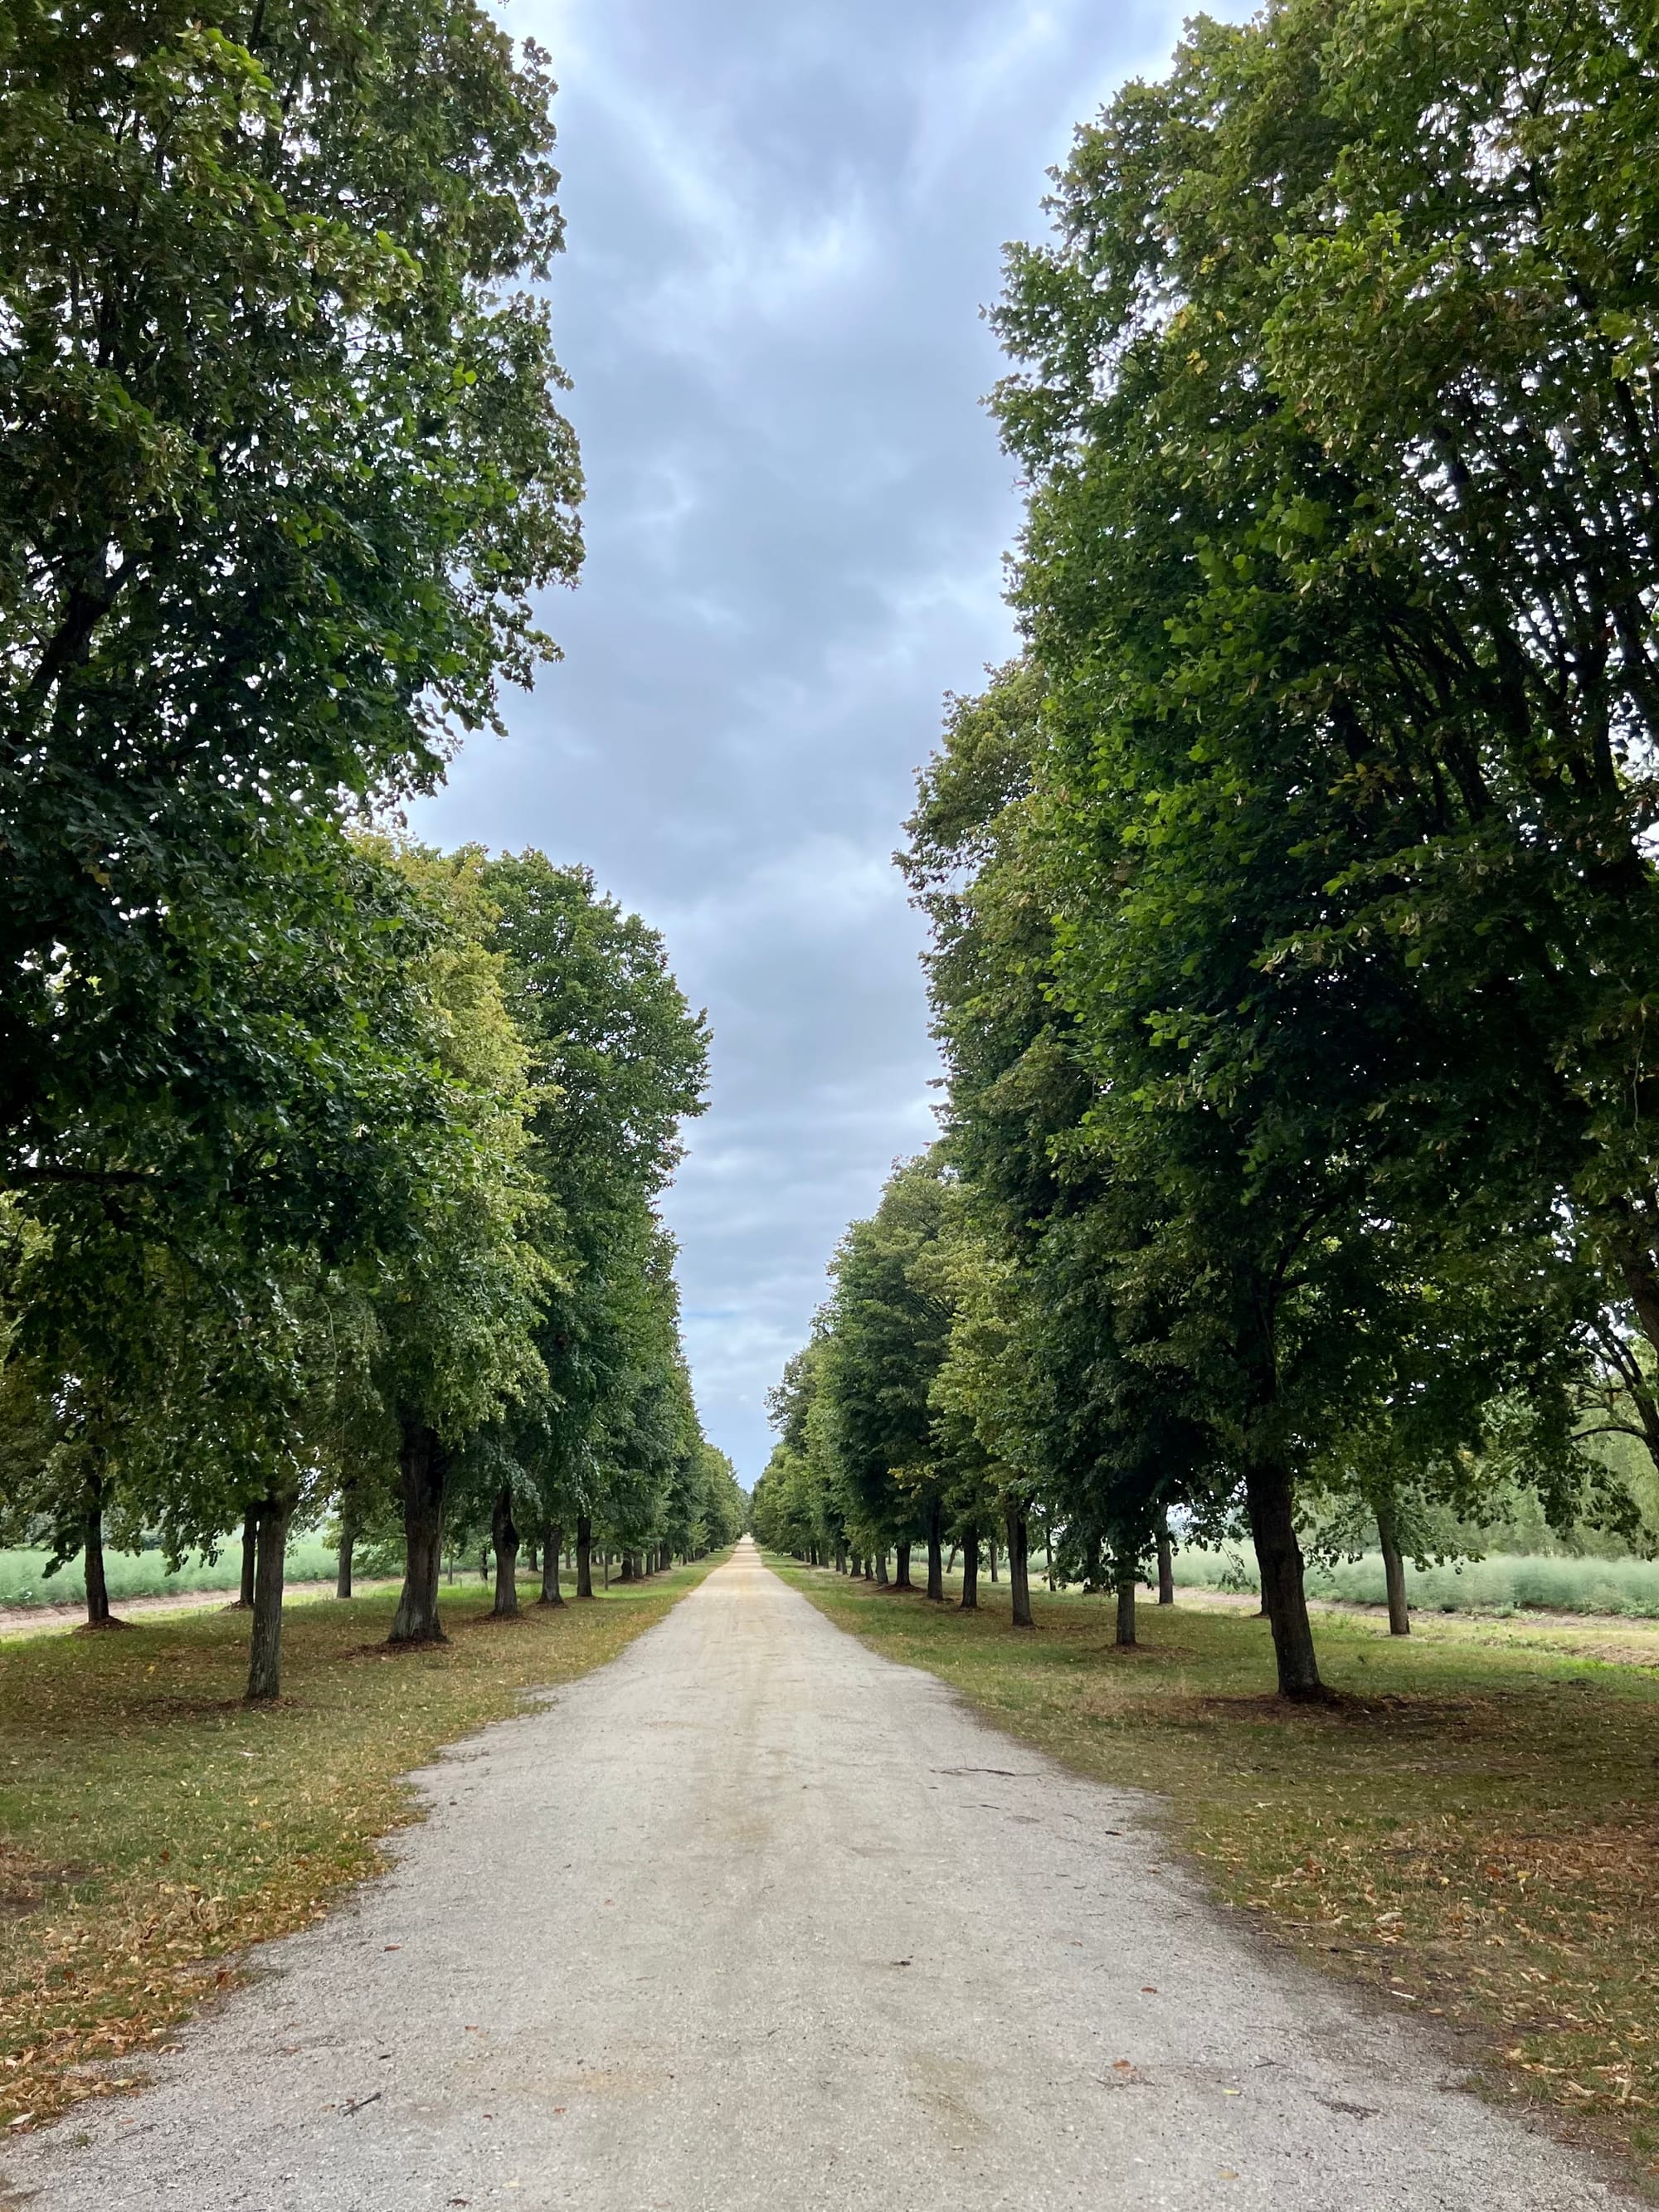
(1498, 1582)
(25, 1579)
(1294, 894)
(620, 1060)
(283, 470)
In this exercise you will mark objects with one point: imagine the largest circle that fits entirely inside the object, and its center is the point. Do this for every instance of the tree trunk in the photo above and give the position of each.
(98, 1613)
(935, 1553)
(552, 1539)
(969, 1571)
(1269, 1497)
(424, 1465)
(1393, 1572)
(991, 1549)
(584, 1556)
(881, 1568)
(902, 1579)
(1126, 1607)
(1165, 1565)
(264, 1658)
(504, 1532)
(348, 1541)
(841, 1559)
(1019, 1566)
(627, 1573)
(250, 1554)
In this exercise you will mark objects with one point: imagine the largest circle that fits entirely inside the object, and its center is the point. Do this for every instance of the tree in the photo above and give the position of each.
(1313, 871)
(283, 467)
(887, 1334)
(457, 1316)
(619, 1061)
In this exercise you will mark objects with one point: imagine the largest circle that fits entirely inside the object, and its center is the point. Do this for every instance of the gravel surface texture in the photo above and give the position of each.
(754, 1918)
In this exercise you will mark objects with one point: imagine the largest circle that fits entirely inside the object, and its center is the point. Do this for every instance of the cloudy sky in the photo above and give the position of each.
(783, 222)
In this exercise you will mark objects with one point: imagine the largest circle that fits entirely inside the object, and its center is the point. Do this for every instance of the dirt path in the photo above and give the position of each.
(754, 1920)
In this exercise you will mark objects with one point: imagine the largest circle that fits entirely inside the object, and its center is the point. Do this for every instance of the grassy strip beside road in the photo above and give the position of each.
(1472, 1827)
(152, 1826)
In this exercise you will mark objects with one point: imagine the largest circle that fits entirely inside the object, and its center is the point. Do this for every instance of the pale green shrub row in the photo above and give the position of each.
(1504, 1582)
(24, 1580)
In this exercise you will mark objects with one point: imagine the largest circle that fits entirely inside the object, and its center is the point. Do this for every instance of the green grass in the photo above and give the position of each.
(1470, 1826)
(152, 1826)
(1503, 1583)
(24, 1579)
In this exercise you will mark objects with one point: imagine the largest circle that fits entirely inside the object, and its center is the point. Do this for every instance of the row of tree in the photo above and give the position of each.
(327, 1162)
(502, 1357)
(1294, 895)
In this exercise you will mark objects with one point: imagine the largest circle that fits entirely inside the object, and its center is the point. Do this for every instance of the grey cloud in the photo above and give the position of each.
(783, 223)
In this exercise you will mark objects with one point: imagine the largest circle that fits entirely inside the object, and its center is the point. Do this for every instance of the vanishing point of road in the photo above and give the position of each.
(753, 1918)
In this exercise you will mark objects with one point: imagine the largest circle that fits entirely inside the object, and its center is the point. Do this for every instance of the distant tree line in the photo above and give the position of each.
(1294, 894)
(328, 1163)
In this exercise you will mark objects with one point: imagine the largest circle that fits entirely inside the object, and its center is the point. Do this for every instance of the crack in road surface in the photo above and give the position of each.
(640, 1968)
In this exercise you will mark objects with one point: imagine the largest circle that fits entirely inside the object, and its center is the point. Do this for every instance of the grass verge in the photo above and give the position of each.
(152, 1827)
(1472, 1827)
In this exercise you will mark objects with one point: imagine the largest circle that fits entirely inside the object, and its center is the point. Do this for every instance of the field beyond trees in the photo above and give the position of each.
(155, 1825)
(1468, 1828)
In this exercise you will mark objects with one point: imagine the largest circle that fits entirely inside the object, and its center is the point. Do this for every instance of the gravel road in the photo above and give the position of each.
(753, 1918)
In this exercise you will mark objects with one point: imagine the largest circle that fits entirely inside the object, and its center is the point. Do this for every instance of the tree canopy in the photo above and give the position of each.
(1292, 892)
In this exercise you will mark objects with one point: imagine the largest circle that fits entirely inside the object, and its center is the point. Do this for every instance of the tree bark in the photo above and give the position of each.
(902, 1579)
(969, 1572)
(1165, 1565)
(841, 1557)
(1394, 1573)
(991, 1552)
(1019, 1566)
(881, 1568)
(264, 1658)
(551, 1539)
(584, 1556)
(424, 1465)
(504, 1532)
(348, 1541)
(1268, 1498)
(935, 1553)
(98, 1611)
(1125, 1607)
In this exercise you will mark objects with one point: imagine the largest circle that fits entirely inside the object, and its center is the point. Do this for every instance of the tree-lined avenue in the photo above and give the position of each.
(754, 1917)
